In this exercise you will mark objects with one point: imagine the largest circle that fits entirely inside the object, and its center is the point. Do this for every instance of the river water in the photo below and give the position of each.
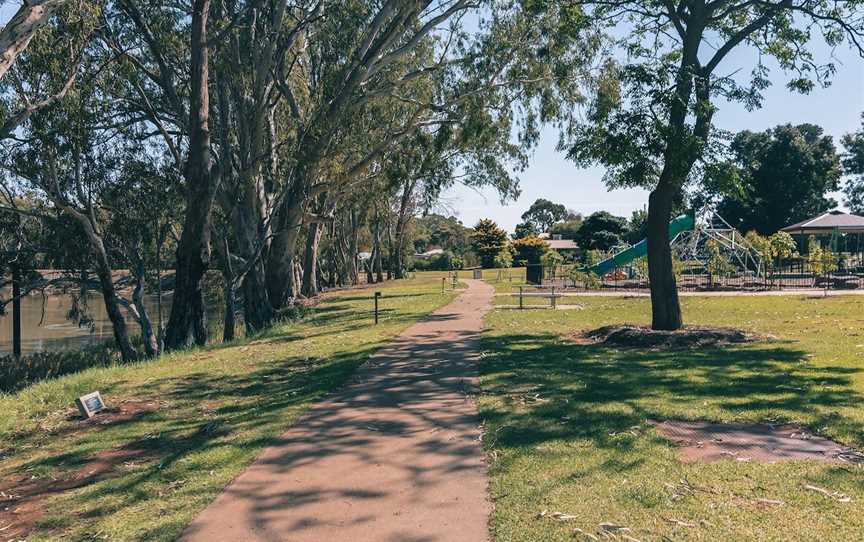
(46, 327)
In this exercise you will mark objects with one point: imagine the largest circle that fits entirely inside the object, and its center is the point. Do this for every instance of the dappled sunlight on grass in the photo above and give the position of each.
(216, 408)
(567, 431)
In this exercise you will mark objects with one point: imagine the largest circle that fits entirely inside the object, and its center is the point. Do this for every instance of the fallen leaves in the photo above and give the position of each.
(678, 522)
(607, 531)
(836, 495)
(769, 502)
(560, 516)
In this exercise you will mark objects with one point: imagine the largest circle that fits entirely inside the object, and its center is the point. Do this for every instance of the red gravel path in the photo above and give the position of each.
(394, 456)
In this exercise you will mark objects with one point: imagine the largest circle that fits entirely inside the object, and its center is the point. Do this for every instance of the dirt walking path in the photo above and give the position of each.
(393, 457)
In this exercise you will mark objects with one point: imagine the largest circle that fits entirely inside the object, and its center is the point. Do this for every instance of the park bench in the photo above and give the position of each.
(551, 296)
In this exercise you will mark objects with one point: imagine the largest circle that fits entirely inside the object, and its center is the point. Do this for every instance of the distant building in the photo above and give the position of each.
(562, 245)
(429, 253)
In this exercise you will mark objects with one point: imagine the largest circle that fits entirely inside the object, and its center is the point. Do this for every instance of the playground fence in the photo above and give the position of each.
(790, 275)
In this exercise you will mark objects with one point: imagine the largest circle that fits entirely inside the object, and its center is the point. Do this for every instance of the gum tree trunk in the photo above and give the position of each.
(281, 283)
(109, 295)
(106, 281)
(16, 311)
(151, 343)
(683, 148)
(310, 260)
(187, 324)
(17, 33)
(665, 307)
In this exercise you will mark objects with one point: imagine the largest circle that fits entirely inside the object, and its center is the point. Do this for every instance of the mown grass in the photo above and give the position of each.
(216, 409)
(566, 423)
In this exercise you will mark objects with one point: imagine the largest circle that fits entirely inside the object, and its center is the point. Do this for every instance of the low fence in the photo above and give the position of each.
(628, 279)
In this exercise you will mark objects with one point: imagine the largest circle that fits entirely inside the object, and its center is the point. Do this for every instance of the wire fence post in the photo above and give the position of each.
(377, 295)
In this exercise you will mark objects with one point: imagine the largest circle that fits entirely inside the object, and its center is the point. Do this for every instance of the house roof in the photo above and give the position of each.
(428, 253)
(828, 222)
(562, 244)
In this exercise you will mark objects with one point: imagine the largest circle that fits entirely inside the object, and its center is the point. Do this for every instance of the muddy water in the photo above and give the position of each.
(46, 327)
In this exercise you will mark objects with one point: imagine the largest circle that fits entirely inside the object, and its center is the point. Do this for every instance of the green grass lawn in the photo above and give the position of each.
(213, 410)
(566, 423)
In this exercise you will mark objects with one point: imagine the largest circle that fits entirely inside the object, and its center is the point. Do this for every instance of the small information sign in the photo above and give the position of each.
(90, 404)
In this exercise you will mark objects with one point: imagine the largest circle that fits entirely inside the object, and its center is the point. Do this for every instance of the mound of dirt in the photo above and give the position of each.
(629, 336)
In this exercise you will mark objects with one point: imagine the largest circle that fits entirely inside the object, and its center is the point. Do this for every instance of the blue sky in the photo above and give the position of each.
(837, 109)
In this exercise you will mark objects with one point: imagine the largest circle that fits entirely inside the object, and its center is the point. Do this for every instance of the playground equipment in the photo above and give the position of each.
(688, 235)
(625, 257)
(690, 245)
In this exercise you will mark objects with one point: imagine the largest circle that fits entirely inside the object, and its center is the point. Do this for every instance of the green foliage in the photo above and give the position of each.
(543, 214)
(637, 226)
(592, 257)
(529, 249)
(640, 265)
(550, 260)
(567, 229)
(588, 279)
(524, 229)
(718, 264)
(853, 166)
(487, 240)
(772, 249)
(678, 266)
(783, 245)
(820, 261)
(446, 261)
(447, 233)
(601, 231)
(795, 165)
(504, 259)
(655, 100)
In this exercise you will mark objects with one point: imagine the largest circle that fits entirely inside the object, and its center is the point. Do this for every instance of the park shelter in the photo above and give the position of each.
(844, 230)
(828, 223)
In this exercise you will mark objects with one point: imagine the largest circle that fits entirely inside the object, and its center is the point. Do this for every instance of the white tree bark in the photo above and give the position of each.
(16, 35)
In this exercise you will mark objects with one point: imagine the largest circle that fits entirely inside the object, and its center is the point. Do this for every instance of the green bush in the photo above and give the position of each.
(17, 374)
(446, 261)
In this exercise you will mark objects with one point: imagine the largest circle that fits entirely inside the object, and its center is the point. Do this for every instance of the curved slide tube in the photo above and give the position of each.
(620, 259)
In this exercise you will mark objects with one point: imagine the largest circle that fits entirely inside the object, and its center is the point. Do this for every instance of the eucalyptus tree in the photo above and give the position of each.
(142, 205)
(543, 214)
(853, 166)
(651, 117)
(91, 158)
(797, 165)
(63, 153)
(16, 36)
(356, 53)
(422, 57)
(188, 320)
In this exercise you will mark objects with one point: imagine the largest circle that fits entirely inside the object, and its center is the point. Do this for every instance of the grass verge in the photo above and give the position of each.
(566, 423)
(196, 419)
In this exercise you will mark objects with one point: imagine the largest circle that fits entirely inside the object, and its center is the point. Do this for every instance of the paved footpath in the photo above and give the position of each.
(395, 456)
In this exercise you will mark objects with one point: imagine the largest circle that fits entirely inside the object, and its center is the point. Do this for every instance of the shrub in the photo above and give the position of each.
(530, 249)
(590, 279)
(17, 374)
(446, 261)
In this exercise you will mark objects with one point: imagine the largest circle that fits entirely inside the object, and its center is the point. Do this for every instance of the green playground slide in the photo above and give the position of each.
(682, 223)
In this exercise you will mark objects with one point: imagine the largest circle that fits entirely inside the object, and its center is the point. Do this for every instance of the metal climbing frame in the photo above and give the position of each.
(690, 245)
